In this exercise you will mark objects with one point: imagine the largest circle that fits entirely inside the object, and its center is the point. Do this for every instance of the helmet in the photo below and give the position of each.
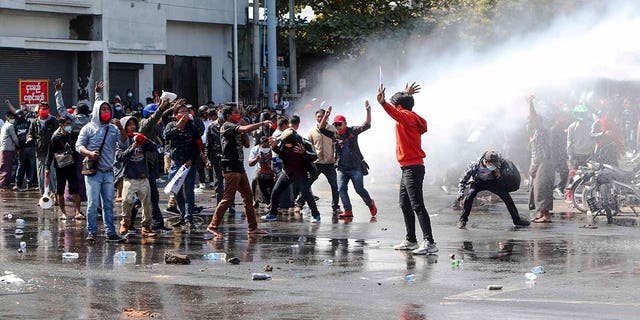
(203, 109)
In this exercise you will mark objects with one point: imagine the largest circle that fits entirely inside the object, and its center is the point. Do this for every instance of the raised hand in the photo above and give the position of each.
(412, 89)
(58, 84)
(367, 106)
(380, 95)
(99, 86)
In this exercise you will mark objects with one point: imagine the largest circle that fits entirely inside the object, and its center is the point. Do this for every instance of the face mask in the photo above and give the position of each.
(342, 129)
(491, 168)
(12, 121)
(130, 134)
(274, 126)
(279, 112)
(118, 107)
(67, 129)
(265, 150)
(235, 118)
(220, 115)
(44, 113)
(129, 94)
(105, 116)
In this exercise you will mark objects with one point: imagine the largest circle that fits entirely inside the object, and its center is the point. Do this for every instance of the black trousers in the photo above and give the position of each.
(303, 184)
(156, 214)
(412, 203)
(497, 190)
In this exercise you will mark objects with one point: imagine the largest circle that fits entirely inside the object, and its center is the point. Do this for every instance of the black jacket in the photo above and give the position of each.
(42, 136)
(309, 156)
(471, 175)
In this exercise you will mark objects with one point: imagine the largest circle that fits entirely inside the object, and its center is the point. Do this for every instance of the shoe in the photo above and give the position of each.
(178, 224)
(316, 198)
(521, 223)
(115, 238)
(211, 184)
(133, 230)
(346, 214)
(232, 210)
(202, 186)
(198, 209)
(91, 237)
(315, 219)
(146, 232)
(406, 245)
(123, 230)
(462, 224)
(188, 227)
(172, 210)
(426, 248)
(337, 211)
(373, 209)
(270, 217)
(557, 194)
(198, 190)
(15, 188)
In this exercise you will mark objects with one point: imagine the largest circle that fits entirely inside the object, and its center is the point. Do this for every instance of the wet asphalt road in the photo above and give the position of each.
(331, 270)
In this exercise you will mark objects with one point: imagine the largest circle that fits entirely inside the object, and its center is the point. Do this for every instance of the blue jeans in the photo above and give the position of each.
(26, 166)
(100, 187)
(357, 179)
(40, 163)
(186, 194)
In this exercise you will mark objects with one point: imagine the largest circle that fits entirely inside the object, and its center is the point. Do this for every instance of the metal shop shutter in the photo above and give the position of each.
(18, 64)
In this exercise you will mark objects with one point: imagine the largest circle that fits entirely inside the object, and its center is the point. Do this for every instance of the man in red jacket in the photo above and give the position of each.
(409, 128)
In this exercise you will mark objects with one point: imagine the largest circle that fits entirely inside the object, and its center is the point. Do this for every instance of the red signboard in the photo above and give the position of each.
(32, 92)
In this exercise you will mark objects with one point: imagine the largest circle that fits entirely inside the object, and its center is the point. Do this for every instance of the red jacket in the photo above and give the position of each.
(409, 128)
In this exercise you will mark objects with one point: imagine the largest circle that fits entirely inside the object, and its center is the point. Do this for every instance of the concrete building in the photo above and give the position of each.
(184, 46)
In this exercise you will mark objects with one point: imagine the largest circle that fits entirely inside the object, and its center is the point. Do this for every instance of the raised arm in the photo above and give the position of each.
(98, 89)
(62, 110)
(251, 127)
(367, 107)
(325, 118)
(10, 105)
(533, 116)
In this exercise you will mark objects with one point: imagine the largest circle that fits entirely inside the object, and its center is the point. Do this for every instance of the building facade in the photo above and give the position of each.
(183, 46)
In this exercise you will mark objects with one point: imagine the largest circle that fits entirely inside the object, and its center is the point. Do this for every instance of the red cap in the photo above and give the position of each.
(140, 138)
(339, 118)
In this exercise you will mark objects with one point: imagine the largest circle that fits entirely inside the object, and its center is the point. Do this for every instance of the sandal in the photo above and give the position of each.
(539, 216)
(257, 231)
(63, 216)
(542, 220)
(79, 216)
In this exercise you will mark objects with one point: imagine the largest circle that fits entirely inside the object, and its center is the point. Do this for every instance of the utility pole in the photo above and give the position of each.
(256, 49)
(272, 49)
(235, 52)
(293, 70)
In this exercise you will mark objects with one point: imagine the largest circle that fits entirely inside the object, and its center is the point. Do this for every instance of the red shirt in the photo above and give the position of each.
(409, 128)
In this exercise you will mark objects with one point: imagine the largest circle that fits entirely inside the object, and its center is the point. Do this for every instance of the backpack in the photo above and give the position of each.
(509, 176)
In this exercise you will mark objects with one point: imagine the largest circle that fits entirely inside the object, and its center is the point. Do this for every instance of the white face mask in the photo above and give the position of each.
(265, 150)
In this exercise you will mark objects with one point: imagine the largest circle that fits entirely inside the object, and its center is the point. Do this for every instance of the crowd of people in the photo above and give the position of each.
(106, 154)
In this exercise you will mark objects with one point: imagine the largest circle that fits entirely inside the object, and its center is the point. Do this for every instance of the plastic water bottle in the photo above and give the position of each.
(23, 247)
(70, 255)
(537, 270)
(20, 223)
(215, 256)
(8, 216)
(260, 276)
(456, 264)
(125, 257)
(327, 262)
(530, 276)
(409, 277)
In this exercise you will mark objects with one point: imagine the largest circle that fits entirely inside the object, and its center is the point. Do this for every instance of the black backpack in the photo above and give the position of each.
(509, 176)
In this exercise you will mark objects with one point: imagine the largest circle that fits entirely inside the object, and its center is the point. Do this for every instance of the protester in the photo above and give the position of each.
(26, 156)
(149, 127)
(541, 169)
(41, 131)
(297, 155)
(8, 144)
(234, 137)
(136, 175)
(409, 129)
(62, 156)
(182, 138)
(326, 162)
(97, 141)
(486, 174)
(264, 180)
(350, 161)
(580, 144)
